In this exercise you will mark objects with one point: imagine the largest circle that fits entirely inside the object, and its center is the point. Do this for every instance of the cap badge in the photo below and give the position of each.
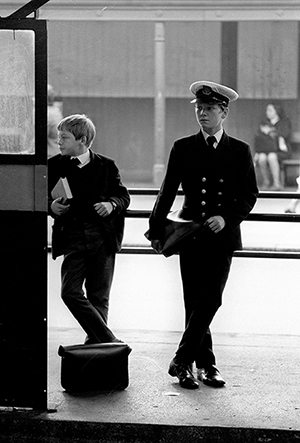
(206, 90)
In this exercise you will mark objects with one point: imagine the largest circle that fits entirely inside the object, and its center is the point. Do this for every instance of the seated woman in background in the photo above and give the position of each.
(272, 146)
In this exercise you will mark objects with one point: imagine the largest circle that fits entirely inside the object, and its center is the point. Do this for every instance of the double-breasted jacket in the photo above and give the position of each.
(215, 181)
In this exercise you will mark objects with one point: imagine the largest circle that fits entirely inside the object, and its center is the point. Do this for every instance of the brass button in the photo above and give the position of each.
(203, 203)
(203, 191)
(204, 179)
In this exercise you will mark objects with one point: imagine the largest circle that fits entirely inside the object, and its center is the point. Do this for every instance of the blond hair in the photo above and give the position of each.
(80, 126)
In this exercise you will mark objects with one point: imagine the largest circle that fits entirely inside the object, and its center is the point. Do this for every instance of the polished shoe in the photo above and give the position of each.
(211, 377)
(184, 374)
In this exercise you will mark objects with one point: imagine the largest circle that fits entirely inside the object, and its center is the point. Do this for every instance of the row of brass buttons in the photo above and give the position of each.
(203, 203)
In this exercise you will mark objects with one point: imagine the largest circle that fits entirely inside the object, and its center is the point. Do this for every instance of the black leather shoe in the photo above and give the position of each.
(184, 374)
(211, 377)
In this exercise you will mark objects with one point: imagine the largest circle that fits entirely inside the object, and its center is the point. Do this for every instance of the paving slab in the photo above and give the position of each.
(262, 390)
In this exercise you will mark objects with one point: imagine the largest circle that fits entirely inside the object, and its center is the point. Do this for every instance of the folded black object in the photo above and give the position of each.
(176, 230)
(101, 366)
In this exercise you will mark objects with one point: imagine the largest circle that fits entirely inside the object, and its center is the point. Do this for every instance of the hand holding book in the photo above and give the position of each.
(62, 190)
(61, 193)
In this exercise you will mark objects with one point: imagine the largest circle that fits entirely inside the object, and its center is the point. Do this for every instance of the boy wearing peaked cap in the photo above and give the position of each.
(217, 176)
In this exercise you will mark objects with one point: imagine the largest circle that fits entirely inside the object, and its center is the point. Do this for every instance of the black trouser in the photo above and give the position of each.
(204, 269)
(88, 261)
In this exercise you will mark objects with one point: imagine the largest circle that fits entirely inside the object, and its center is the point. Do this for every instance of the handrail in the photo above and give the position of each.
(136, 250)
(253, 216)
(262, 194)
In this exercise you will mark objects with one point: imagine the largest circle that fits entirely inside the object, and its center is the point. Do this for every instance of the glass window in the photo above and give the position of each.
(17, 92)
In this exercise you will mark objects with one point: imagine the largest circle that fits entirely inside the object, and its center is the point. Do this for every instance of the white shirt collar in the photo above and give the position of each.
(83, 158)
(217, 135)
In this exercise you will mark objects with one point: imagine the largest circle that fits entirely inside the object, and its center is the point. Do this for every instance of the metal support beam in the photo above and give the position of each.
(166, 10)
(27, 9)
(159, 105)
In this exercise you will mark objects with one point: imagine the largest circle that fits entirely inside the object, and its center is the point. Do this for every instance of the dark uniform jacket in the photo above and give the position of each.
(217, 181)
(104, 184)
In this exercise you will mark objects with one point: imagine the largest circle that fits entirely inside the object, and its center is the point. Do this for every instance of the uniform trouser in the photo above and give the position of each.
(88, 261)
(204, 272)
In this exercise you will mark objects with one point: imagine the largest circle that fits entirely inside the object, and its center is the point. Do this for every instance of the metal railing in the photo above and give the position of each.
(263, 217)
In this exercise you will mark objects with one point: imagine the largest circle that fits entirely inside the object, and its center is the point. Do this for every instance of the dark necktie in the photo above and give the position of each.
(75, 161)
(210, 141)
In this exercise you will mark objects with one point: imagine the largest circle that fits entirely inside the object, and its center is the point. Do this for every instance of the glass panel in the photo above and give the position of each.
(17, 92)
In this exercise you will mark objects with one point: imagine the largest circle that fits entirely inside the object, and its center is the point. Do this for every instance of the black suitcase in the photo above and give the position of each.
(101, 366)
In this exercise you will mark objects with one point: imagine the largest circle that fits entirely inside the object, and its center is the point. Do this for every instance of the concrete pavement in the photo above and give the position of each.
(260, 403)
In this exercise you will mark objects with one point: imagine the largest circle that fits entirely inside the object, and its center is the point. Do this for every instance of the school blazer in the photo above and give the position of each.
(105, 185)
(217, 181)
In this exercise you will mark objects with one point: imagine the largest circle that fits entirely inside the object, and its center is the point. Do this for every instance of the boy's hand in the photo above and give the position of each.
(215, 223)
(103, 208)
(58, 207)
